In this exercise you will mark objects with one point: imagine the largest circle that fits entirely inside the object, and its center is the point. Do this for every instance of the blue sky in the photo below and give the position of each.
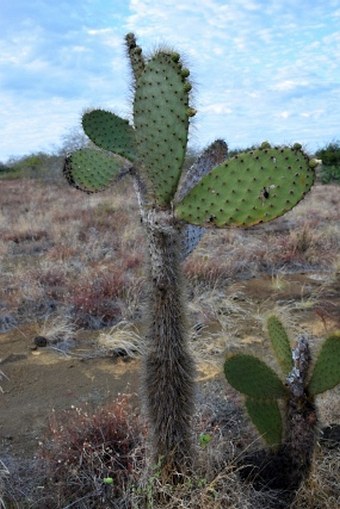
(262, 69)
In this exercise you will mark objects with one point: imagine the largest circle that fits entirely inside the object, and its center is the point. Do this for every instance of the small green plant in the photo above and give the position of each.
(290, 430)
(175, 207)
(205, 439)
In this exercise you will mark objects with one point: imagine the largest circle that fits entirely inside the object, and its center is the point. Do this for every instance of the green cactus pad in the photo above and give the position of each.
(253, 377)
(110, 132)
(280, 343)
(266, 416)
(326, 373)
(161, 122)
(251, 188)
(91, 170)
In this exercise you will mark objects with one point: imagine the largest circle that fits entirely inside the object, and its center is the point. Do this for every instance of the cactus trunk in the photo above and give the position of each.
(168, 368)
(298, 448)
(301, 418)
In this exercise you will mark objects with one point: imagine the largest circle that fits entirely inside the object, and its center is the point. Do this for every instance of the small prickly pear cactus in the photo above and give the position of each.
(292, 433)
(175, 207)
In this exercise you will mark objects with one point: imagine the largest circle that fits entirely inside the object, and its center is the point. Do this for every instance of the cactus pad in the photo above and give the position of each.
(161, 118)
(253, 377)
(91, 170)
(326, 373)
(280, 343)
(110, 132)
(251, 188)
(266, 416)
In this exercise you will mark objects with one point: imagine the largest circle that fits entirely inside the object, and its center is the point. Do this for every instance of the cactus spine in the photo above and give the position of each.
(175, 206)
(263, 388)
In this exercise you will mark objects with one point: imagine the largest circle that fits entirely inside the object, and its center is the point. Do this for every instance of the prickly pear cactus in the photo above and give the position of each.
(110, 132)
(252, 187)
(253, 378)
(175, 205)
(161, 119)
(262, 387)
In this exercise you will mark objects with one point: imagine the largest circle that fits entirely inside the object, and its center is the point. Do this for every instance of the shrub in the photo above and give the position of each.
(330, 156)
(96, 301)
(93, 457)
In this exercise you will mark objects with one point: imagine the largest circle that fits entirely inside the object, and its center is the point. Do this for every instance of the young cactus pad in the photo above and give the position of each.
(262, 386)
(253, 377)
(161, 118)
(280, 343)
(266, 416)
(326, 373)
(250, 188)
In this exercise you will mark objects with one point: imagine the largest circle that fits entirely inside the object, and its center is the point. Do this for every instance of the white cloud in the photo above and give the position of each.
(284, 114)
(217, 109)
(287, 85)
(108, 36)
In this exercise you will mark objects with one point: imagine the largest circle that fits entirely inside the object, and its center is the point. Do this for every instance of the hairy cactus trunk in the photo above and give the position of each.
(168, 368)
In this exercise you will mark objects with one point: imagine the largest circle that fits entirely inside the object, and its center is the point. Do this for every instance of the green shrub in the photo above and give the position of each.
(330, 156)
(38, 165)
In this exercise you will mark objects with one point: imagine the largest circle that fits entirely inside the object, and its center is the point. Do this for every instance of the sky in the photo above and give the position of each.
(261, 69)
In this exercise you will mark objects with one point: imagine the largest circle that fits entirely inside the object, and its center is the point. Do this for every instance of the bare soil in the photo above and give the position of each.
(38, 381)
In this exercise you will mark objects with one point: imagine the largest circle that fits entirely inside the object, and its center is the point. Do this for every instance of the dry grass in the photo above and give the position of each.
(122, 340)
(3, 376)
(321, 490)
(4, 472)
(65, 252)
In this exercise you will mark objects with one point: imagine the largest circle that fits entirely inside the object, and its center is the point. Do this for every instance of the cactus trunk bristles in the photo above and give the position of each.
(168, 368)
